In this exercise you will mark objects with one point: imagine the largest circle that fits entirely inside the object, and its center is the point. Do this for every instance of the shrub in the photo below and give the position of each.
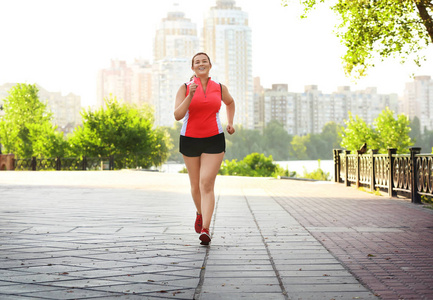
(254, 165)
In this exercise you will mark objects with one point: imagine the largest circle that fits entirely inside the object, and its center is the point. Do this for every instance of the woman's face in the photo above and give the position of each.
(201, 65)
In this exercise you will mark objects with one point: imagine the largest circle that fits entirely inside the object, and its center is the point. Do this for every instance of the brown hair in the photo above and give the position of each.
(200, 53)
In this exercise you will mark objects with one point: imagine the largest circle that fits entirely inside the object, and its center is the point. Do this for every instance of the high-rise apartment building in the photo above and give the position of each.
(176, 41)
(368, 104)
(66, 109)
(176, 37)
(129, 83)
(227, 40)
(259, 104)
(114, 82)
(417, 101)
(141, 82)
(279, 105)
(308, 112)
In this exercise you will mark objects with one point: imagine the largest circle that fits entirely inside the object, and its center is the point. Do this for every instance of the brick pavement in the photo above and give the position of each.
(129, 235)
(386, 243)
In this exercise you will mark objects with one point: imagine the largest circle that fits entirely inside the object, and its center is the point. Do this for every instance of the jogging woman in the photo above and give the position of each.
(202, 140)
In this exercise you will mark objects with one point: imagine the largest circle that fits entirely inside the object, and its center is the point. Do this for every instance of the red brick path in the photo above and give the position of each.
(386, 243)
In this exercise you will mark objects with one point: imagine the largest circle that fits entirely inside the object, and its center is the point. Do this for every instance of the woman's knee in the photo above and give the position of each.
(207, 185)
(195, 188)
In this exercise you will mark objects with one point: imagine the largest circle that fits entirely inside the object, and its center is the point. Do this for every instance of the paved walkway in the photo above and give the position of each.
(129, 235)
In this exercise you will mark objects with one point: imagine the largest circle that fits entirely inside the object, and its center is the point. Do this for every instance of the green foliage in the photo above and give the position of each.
(415, 130)
(243, 142)
(317, 146)
(356, 133)
(423, 139)
(388, 132)
(373, 30)
(427, 201)
(299, 149)
(376, 191)
(123, 131)
(254, 165)
(174, 134)
(26, 128)
(317, 174)
(276, 141)
(393, 133)
(273, 141)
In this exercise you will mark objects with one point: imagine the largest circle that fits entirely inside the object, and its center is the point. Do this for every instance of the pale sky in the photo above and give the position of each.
(61, 44)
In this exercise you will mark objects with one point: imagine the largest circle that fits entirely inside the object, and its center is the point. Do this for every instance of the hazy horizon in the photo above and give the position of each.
(61, 45)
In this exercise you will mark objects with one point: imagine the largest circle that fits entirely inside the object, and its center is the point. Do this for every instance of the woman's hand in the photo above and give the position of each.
(192, 87)
(230, 129)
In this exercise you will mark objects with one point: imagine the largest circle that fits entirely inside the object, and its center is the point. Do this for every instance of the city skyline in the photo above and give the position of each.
(63, 46)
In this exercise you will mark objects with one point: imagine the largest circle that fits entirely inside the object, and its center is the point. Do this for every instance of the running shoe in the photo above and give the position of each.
(198, 223)
(205, 236)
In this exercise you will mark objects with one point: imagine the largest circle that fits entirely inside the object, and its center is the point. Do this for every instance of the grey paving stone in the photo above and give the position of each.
(332, 295)
(66, 294)
(242, 288)
(252, 296)
(17, 289)
(136, 288)
(72, 235)
(186, 294)
(14, 297)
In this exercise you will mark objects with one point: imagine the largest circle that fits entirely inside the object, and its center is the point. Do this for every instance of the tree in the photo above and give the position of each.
(174, 133)
(331, 136)
(415, 131)
(276, 141)
(393, 132)
(298, 149)
(26, 129)
(243, 142)
(254, 165)
(356, 133)
(372, 29)
(427, 142)
(387, 132)
(121, 130)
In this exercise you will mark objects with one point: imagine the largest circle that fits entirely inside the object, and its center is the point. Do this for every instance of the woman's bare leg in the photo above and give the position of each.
(209, 167)
(193, 166)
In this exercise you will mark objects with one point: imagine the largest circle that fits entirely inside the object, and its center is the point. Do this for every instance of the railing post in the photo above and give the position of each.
(357, 169)
(84, 163)
(391, 152)
(372, 170)
(336, 165)
(346, 175)
(415, 197)
(58, 164)
(111, 162)
(33, 163)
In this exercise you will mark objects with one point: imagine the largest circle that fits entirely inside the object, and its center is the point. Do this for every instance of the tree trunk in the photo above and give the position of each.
(425, 16)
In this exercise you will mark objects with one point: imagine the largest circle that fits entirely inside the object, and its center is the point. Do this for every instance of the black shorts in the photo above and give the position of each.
(193, 147)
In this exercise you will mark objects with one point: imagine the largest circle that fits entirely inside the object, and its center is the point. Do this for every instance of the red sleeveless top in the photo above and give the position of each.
(202, 118)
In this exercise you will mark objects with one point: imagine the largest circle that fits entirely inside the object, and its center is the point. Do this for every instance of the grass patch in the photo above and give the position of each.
(376, 192)
(428, 201)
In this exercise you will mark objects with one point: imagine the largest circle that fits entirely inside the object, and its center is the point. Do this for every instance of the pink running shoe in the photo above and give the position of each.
(205, 236)
(198, 223)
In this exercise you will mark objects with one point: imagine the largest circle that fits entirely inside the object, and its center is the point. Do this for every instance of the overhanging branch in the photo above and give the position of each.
(425, 16)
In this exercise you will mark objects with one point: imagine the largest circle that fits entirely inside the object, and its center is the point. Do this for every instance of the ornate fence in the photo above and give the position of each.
(114, 162)
(407, 175)
(65, 163)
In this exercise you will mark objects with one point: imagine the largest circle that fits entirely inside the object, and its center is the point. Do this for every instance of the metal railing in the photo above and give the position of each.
(64, 163)
(407, 175)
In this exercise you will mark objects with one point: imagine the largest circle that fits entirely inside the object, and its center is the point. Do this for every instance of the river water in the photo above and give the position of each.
(293, 165)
